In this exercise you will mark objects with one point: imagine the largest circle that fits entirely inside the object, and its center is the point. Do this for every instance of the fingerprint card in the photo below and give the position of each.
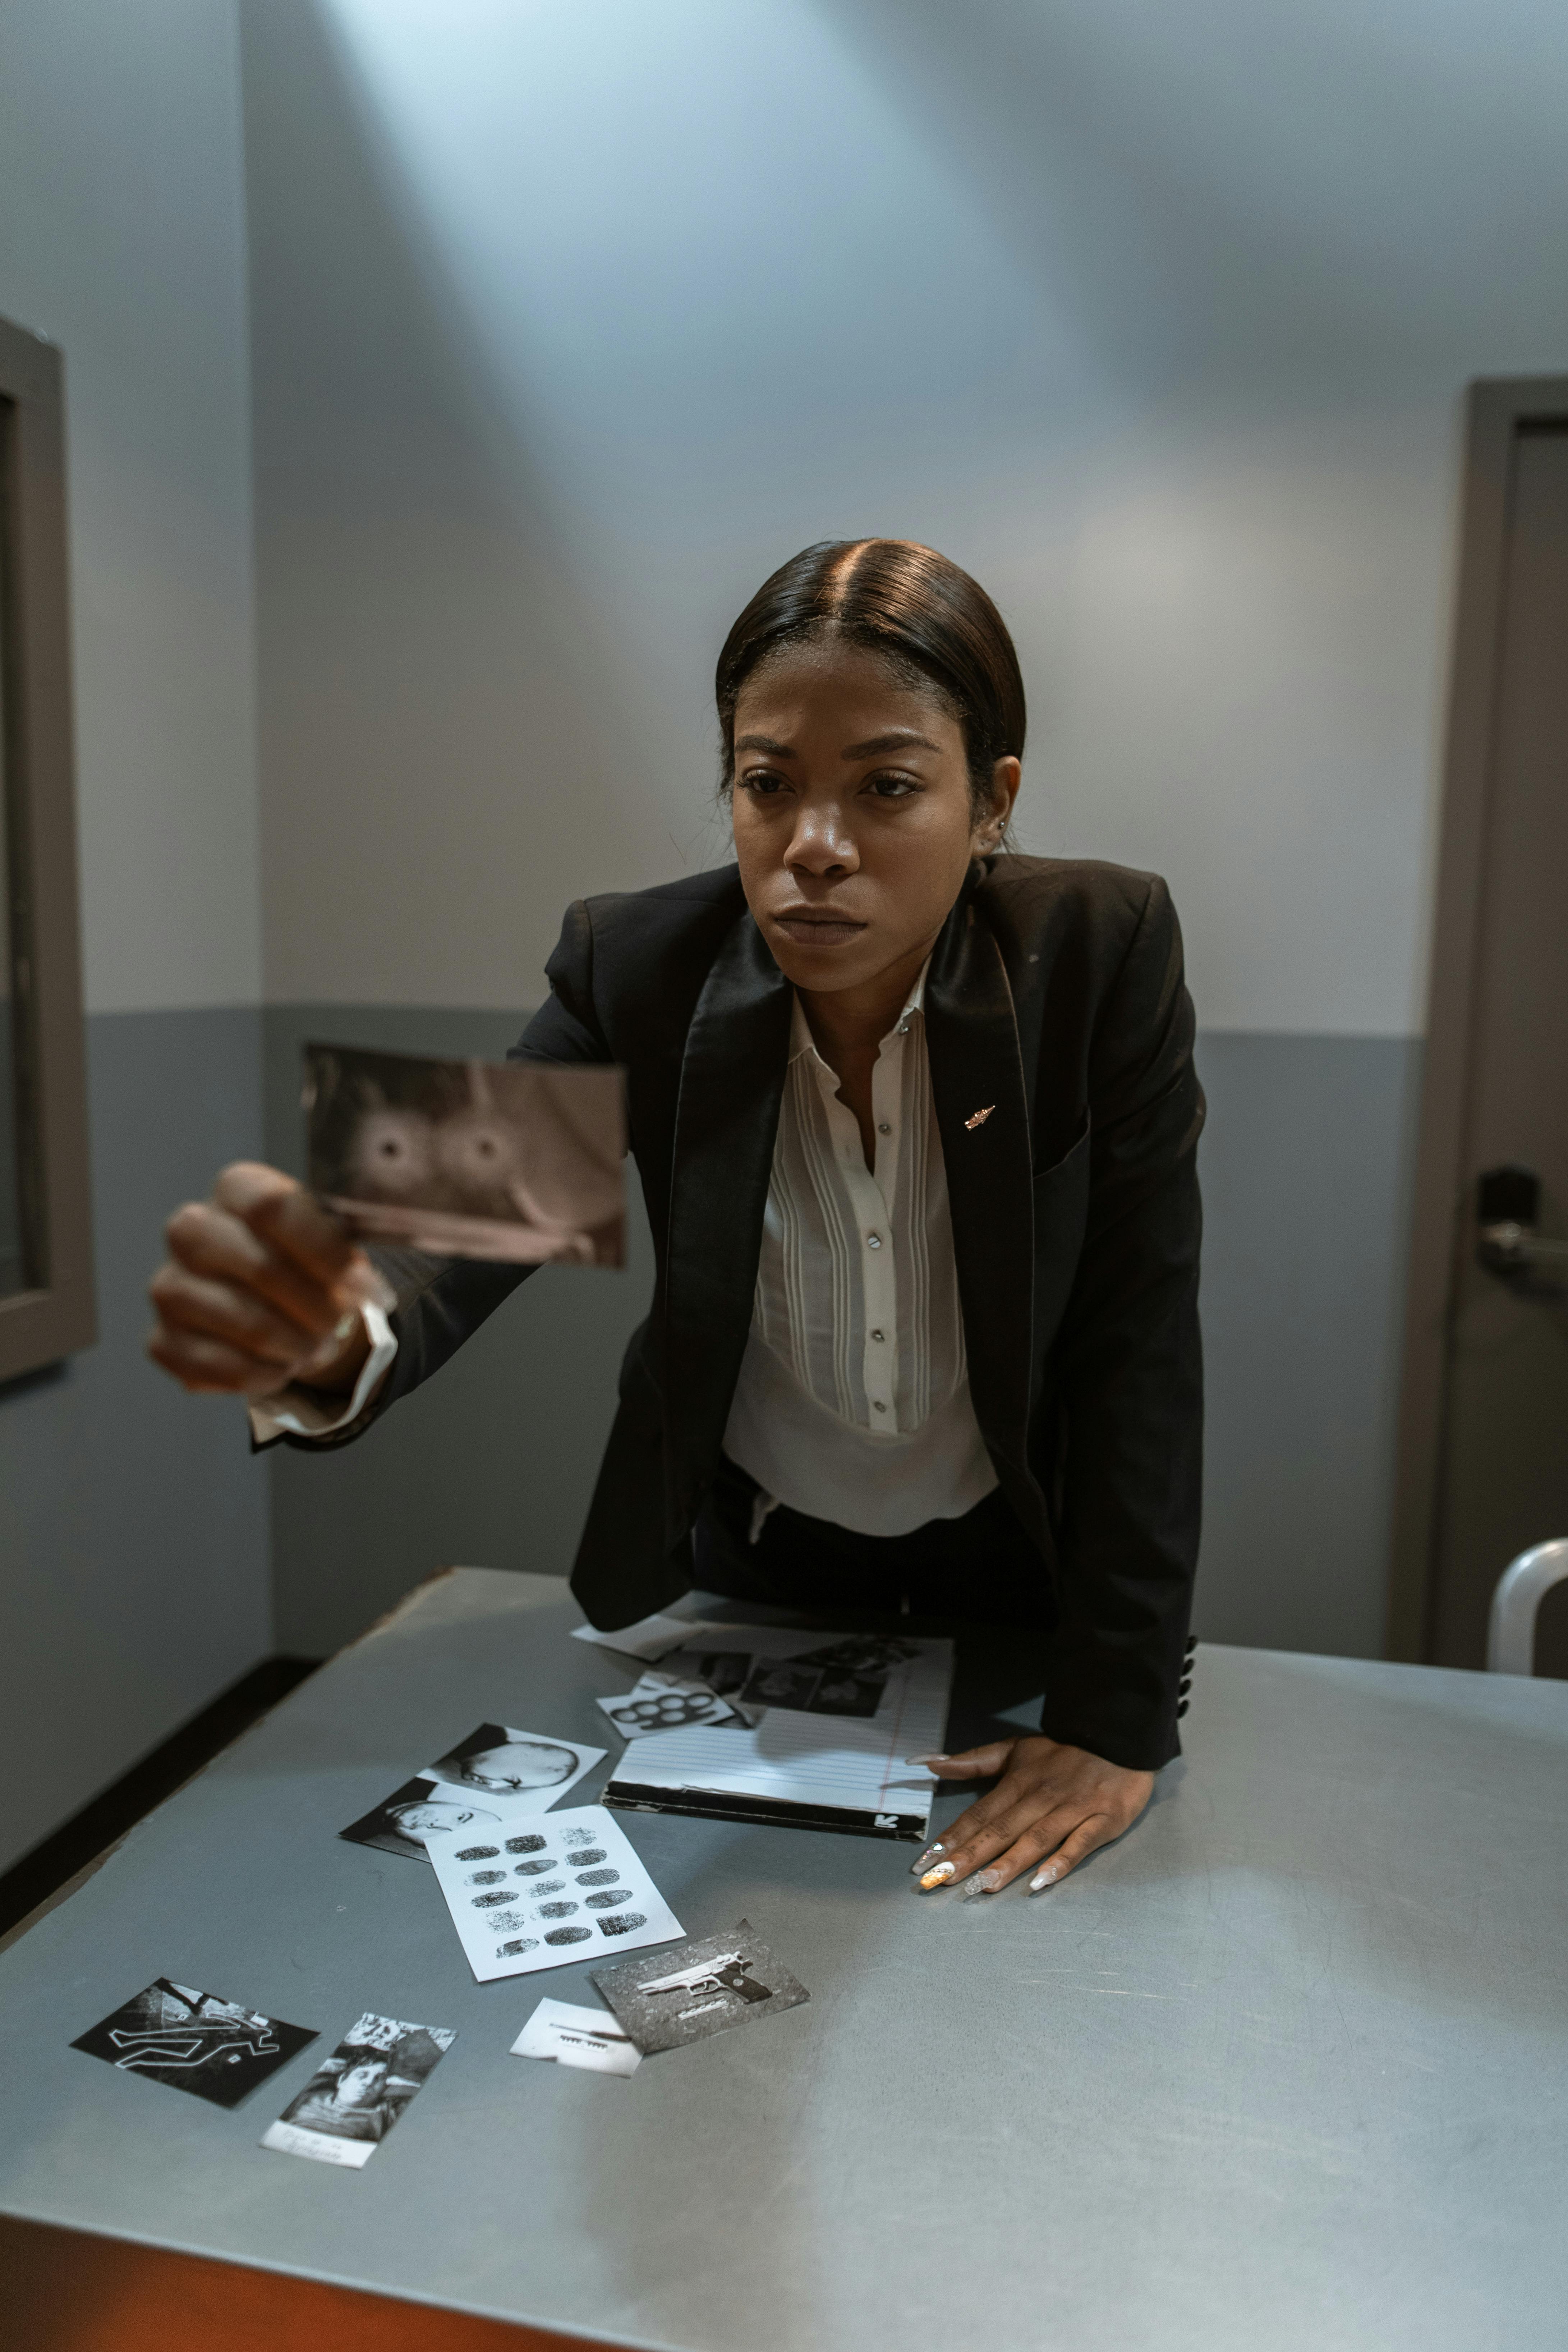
(569, 1889)
(355, 2097)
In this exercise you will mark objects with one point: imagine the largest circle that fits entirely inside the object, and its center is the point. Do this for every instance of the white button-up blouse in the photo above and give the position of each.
(853, 1401)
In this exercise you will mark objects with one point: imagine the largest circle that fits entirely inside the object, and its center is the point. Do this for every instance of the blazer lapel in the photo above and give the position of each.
(982, 1110)
(726, 1120)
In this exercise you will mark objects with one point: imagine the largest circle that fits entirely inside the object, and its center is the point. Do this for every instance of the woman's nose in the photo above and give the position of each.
(821, 843)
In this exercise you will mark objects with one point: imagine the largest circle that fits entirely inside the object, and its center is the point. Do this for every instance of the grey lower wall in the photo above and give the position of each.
(135, 1556)
(1304, 1166)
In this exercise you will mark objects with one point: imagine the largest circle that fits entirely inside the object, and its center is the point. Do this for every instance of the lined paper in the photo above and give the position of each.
(803, 1766)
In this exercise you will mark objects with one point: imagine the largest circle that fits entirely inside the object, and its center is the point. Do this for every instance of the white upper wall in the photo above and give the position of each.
(570, 324)
(123, 240)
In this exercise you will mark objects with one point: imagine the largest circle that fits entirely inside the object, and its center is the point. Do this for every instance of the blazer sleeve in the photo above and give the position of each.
(442, 1301)
(1130, 1373)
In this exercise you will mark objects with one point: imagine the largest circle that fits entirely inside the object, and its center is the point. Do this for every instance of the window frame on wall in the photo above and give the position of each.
(55, 1314)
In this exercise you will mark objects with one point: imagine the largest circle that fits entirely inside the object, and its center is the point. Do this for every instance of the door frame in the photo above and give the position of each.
(1498, 410)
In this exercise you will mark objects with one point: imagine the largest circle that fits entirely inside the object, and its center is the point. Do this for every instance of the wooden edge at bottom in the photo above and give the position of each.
(66, 2290)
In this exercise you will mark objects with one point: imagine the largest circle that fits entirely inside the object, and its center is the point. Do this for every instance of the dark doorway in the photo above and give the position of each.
(1483, 1433)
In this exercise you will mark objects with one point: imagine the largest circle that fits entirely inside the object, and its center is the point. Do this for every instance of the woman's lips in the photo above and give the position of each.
(819, 931)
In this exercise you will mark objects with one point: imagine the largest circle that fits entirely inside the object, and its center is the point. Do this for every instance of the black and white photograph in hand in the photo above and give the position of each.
(506, 1161)
(194, 2041)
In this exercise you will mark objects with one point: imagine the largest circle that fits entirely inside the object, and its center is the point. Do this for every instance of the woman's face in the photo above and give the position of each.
(852, 816)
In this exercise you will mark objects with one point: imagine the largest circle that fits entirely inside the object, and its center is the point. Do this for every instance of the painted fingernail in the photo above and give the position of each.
(943, 1871)
(985, 1882)
(1046, 1878)
(926, 1859)
(941, 1757)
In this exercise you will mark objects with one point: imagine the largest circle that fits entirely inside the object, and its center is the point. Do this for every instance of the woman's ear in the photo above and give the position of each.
(990, 829)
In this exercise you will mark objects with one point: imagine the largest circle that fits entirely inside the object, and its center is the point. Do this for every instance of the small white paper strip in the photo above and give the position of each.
(578, 2037)
(580, 1891)
(650, 1637)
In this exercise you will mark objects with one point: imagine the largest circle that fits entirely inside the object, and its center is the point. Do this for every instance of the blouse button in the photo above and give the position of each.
(880, 1407)
(883, 1127)
(873, 1241)
(878, 1336)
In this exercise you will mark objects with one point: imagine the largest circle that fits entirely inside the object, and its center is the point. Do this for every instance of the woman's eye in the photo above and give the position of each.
(762, 781)
(891, 788)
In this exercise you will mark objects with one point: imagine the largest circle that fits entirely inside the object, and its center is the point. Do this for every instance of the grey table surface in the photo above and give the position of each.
(1284, 2068)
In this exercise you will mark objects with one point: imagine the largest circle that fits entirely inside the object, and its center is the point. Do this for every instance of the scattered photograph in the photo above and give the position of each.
(649, 1638)
(723, 1671)
(420, 1814)
(355, 2097)
(194, 2041)
(523, 1766)
(590, 2038)
(662, 1702)
(484, 1786)
(513, 1160)
(846, 1677)
(562, 1892)
(703, 1987)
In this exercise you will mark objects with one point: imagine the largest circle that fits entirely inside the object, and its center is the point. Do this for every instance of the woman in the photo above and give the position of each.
(916, 1122)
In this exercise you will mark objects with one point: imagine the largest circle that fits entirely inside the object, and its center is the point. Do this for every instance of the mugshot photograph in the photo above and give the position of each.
(916, 1122)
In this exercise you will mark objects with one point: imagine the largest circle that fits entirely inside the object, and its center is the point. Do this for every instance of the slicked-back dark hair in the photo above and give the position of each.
(909, 605)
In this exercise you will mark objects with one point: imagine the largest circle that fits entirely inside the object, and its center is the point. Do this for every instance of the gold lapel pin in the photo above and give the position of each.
(980, 1116)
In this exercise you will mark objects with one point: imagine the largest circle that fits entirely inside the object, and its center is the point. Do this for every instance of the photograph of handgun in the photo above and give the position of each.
(727, 1973)
(708, 1986)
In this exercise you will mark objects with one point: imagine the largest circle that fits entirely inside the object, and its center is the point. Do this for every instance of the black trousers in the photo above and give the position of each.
(980, 1569)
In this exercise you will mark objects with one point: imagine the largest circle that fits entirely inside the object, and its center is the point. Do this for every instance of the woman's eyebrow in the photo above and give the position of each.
(897, 739)
(763, 743)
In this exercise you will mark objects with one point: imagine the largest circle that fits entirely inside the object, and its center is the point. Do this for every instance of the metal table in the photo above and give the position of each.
(1284, 2068)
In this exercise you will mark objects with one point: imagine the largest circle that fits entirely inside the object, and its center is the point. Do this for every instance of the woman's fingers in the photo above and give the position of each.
(1054, 1801)
(959, 1842)
(1075, 1848)
(219, 1310)
(978, 1836)
(293, 1224)
(973, 1764)
(261, 1285)
(207, 1366)
(210, 1247)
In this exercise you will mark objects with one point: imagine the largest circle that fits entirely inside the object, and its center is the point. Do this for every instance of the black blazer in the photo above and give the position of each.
(1055, 1000)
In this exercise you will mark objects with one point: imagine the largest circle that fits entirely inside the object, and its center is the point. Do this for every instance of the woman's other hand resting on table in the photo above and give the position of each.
(261, 1287)
(1052, 1806)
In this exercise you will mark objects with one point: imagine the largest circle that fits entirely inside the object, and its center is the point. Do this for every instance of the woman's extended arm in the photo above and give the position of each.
(261, 1286)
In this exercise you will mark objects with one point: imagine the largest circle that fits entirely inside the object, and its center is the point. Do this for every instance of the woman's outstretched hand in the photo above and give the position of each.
(261, 1286)
(1051, 1807)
